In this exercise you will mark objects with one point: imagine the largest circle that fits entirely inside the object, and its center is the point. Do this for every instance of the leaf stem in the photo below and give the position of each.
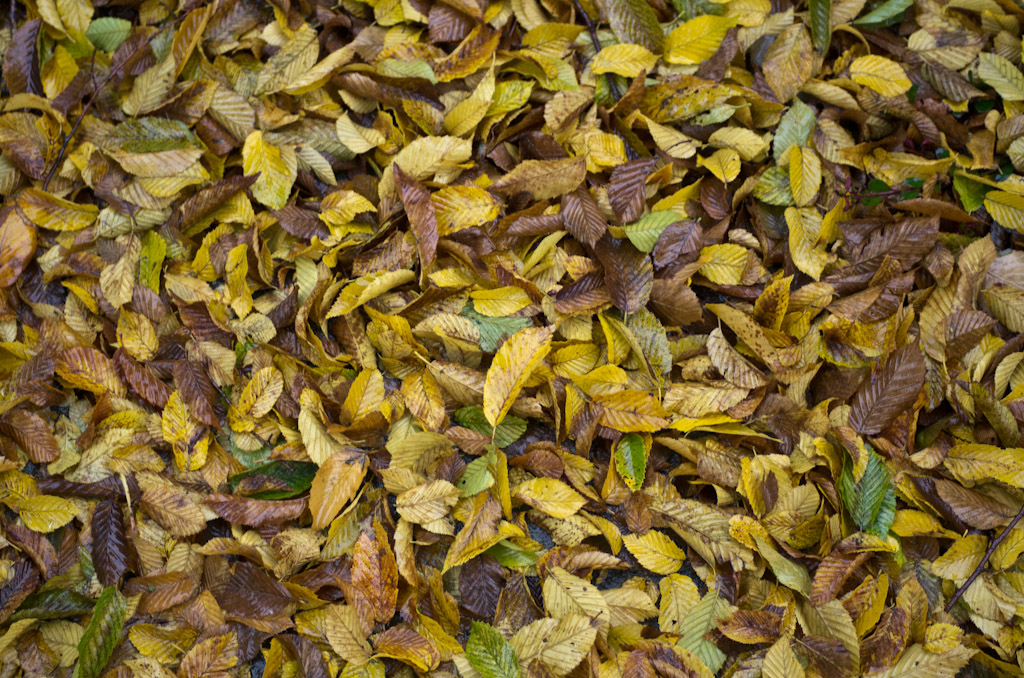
(592, 29)
(988, 554)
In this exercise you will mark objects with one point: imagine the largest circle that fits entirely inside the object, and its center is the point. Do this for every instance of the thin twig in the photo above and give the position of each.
(592, 29)
(988, 554)
(95, 94)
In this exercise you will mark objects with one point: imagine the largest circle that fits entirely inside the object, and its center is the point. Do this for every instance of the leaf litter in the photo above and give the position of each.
(514, 338)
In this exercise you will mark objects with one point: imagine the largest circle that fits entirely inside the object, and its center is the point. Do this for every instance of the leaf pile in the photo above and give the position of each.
(512, 338)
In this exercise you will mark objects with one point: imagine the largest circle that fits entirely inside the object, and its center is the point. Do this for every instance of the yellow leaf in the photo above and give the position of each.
(631, 411)
(150, 88)
(673, 142)
(371, 286)
(460, 207)
(880, 74)
(697, 39)
(55, 214)
(320, 445)
(679, 595)
(550, 496)
(236, 273)
(357, 138)
(655, 551)
(748, 144)
(961, 558)
(625, 59)
(345, 634)
(463, 118)
(566, 594)
(428, 502)
(423, 397)
(117, 281)
(511, 367)
(258, 397)
(276, 166)
(317, 76)
(137, 335)
(62, 637)
(1006, 208)
(184, 433)
(290, 63)
(804, 174)
(723, 163)
(334, 485)
(942, 637)
(45, 513)
(723, 264)
(781, 662)
(805, 245)
(501, 302)
(1004, 77)
(559, 644)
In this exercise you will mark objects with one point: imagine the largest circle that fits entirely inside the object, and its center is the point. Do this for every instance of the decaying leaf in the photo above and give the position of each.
(526, 339)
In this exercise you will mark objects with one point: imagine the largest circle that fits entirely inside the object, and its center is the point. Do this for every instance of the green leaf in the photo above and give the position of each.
(509, 430)
(821, 24)
(101, 635)
(971, 193)
(489, 653)
(151, 135)
(698, 623)
(871, 501)
(631, 460)
(278, 479)
(107, 33)
(888, 11)
(494, 331)
(878, 186)
(510, 555)
(477, 478)
(794, 128)
(645, 231)
(53, 604)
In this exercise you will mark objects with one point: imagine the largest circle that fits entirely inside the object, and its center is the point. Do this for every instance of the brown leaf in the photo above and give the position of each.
(160, 591)
(374, 581)
(832, 573)
(251, 593)
(301, 223)
(17, 245)
(628, 273)
(199, 206)
(22, 582)
(210, 658)
(32, 434)
(751, 626)
(109, 543)
(626, 190)
(675, 303)
(141, 379)
(892, 388)
(21, 60)
(35, 546)
(422, 220)
(583, 217)
(197, 391)
(255, 512)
